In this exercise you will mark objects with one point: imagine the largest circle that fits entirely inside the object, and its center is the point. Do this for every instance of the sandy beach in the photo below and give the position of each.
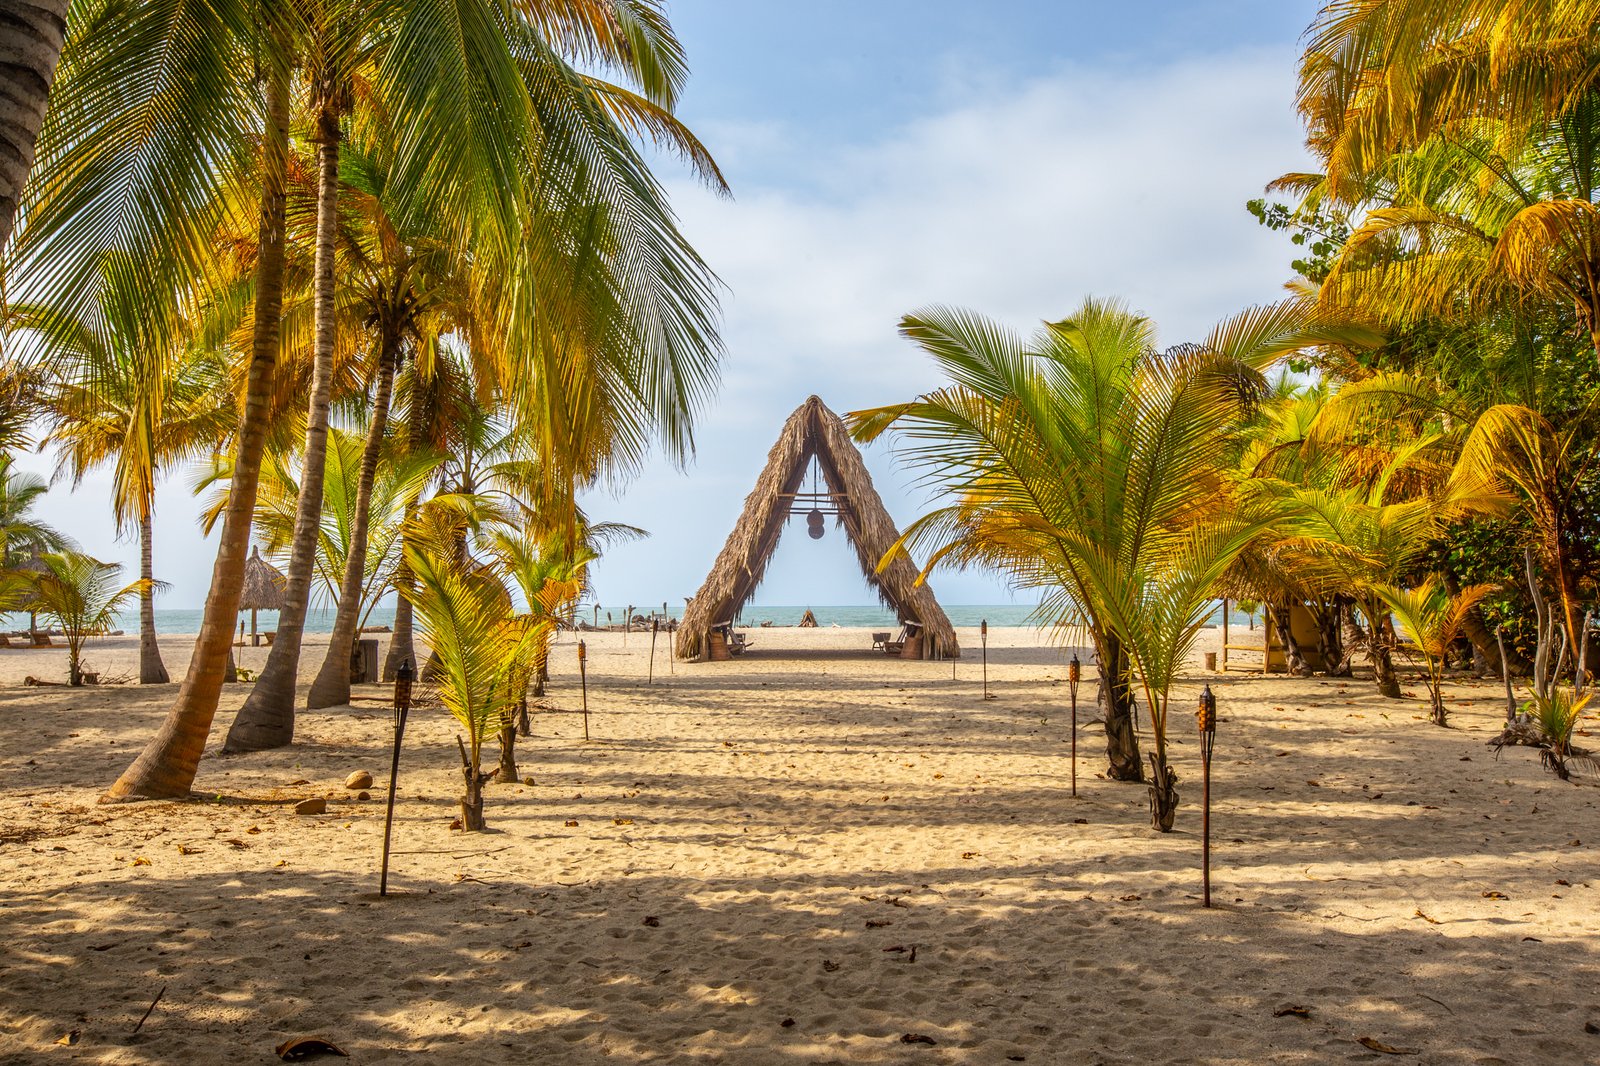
(809, 855)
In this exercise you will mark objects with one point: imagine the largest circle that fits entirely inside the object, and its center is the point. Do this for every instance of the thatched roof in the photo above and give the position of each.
(263, 584)
(812, 431)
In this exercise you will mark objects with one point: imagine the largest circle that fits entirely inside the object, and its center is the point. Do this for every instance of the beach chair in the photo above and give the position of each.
(879, 640)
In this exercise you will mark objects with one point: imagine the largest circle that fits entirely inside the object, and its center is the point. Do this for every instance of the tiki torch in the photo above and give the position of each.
(1074, 675)
(1207, 718)
(402, 705)
(583, 679)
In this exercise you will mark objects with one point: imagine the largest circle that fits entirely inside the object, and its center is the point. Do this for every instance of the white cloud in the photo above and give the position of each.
(1122, 183)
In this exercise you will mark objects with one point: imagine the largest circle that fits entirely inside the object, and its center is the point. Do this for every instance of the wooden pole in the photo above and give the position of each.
(402, 705)
(1074, 673)
(1207, 720)
(983, 633)
(583, 679)
(655, 628)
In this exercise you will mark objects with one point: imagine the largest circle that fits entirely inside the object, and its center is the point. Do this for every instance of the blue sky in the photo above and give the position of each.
(890, 154)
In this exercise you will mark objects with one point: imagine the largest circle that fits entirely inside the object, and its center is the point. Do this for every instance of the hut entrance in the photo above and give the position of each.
(816, 470)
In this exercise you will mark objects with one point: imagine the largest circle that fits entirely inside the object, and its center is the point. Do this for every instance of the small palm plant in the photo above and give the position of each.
(1433, 618)
(80, 593)
(551, 582)
(481, 647)
(1547, 723)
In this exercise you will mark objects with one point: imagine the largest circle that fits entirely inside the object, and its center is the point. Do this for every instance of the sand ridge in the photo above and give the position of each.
(813, 834)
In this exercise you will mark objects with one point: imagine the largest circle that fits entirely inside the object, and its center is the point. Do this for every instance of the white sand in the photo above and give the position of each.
(756, 842)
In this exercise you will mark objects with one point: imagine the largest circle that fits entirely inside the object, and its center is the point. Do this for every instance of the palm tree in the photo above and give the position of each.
(139, 399)
(23, 536)
(642, 50)
(550, 582)
(1433, 618)
(36, 30)
(1382, 75)
(459, 156)
(480, 648)
(81, 594)
(1087, 465)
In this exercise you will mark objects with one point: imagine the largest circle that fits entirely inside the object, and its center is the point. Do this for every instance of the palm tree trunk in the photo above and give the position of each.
(1116, 707)
(1294, 660)
(507, 772)
(1380, 644)
(1330, 638)
(167, 765)
(401, 644)
(152, 671)
(332, 685)
(34, 33)
(267, 718)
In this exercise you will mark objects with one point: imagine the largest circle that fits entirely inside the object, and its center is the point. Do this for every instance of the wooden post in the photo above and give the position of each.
(583, 677)
(655, 628)
(402, 705)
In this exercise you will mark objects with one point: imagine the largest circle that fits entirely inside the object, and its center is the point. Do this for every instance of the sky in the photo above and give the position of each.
(887, 155)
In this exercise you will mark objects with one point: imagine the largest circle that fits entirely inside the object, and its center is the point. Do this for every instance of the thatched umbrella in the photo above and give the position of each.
(32, 565)
(814, 433)
(263, 588)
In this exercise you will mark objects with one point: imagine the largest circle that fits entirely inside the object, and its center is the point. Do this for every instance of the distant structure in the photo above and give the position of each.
(813, 435)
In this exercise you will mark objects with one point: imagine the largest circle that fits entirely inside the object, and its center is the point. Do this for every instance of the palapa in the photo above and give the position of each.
(263, 588)
(813, 432)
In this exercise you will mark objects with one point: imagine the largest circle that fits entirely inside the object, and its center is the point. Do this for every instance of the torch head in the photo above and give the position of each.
(1206, 713)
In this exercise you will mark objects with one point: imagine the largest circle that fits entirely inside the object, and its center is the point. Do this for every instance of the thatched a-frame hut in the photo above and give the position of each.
(813, 432)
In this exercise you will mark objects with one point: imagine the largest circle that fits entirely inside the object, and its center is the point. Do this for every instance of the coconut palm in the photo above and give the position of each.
(137, 399)
(480, 649)
(462, 158)
(550, 581)
(82, 595)
(1379, 75)
(1461, 225)
(1433, 618)
(623, 326)
(22, 536)
(1086, 465)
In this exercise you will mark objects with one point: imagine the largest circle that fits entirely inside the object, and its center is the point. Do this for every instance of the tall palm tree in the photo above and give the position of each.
(35, 32)
(1381, 75)
(1085, 464)
(457, 153)
(641, 49)
(139, 399)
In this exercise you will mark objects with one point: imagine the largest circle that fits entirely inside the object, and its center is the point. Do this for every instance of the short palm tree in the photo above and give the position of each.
(1433, 618)
(1085, 464)
(83, 596)
(480, 648)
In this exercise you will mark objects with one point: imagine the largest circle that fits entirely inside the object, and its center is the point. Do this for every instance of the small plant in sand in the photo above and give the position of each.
(80, 593)
(1434, 618)
(1547, 722)
(481, 650)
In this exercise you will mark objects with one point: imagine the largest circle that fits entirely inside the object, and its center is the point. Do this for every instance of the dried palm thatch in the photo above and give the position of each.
(263, 587)
(813, 431)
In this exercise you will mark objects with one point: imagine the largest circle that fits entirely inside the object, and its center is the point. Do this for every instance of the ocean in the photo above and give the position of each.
(875, 616)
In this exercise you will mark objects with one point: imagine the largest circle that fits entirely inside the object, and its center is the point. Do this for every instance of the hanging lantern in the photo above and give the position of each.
(814, 524)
